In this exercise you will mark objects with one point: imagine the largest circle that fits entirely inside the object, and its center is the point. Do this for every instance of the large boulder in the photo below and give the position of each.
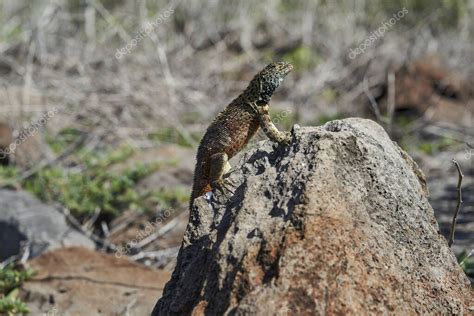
(338, 222)
(25, 221)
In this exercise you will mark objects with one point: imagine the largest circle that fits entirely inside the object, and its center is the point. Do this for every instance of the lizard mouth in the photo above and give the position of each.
(285, 71)
(287, 67)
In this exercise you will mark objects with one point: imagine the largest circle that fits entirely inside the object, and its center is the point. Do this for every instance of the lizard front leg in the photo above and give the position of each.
(269, 128)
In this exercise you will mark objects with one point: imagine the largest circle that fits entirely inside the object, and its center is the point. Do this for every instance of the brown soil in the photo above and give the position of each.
(77, 281)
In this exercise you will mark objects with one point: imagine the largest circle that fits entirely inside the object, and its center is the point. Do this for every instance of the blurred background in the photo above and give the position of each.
(103, 104)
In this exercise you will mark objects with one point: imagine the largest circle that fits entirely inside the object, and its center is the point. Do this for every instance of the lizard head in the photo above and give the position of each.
(262, 86)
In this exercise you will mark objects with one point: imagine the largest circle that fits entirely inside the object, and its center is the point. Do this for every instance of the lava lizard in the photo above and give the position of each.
(233, 128)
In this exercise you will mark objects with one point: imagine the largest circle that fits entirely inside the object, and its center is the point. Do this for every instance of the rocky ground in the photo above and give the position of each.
(109, 168)
(71, 281)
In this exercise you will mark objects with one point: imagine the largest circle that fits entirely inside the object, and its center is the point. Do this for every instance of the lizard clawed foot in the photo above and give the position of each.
(288, 137)
(226, 187)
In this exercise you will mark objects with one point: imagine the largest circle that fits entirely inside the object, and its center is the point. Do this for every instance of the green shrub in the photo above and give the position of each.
(466, 262)
(436, 146)
(170, 198)
(10, 280)
(12, 306)
(8, 177)
(103, 182)
(63, 139)
(95, 187)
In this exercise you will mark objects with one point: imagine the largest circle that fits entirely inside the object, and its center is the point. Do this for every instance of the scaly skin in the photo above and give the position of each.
(233, 128)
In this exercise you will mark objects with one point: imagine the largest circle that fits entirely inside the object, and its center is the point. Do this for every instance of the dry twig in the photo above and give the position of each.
(373, 102)
(458, 206)
(391, 99)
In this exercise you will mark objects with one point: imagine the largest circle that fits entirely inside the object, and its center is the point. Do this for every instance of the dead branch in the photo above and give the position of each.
(75, 223)
(46, 164)
(168, 227)
(458, 206)
(373, 103)
(391, 99)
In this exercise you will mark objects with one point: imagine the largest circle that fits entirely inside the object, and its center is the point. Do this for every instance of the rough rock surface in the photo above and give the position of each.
(336, 223)
(77, 281)
(24, 219)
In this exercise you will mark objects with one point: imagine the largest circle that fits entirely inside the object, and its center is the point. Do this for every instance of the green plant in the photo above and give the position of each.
(466, 261)
(63, 139)
(404, 121)
(330, 95)
(302, 58)
(172, 135)
(12, 306)
(436, 146)
(104, 183)
(8, 177)
(11, 32)
(11, 279)
(95, 187)
(323, 119)
(170, 198)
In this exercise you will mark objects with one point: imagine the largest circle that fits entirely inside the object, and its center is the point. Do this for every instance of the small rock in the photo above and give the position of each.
(24, 219)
